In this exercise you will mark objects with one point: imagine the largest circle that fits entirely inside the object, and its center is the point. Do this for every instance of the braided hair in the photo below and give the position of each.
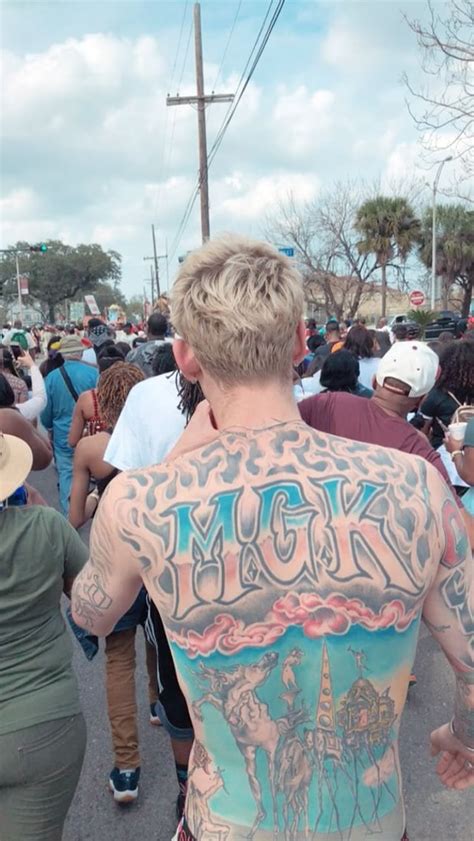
(190, 396)
(112, 391)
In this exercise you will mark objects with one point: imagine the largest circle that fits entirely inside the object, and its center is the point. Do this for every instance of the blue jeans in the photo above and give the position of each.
(135, 615)
(63, 457)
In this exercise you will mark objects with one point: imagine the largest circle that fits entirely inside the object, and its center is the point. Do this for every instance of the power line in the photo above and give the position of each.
(173, 123)
(185, 54)
(165, 155)
(239, 95)
(195, 193)
(183, 68)
(229, 39)
(240, 90)
(183, 18)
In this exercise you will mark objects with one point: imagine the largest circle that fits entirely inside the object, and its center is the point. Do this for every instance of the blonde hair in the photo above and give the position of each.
(237, 303)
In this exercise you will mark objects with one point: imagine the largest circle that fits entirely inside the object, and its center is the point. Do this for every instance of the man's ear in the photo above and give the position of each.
(299, 351)
(186, 360)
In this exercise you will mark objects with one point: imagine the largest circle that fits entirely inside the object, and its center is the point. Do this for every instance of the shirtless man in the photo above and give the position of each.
(259, 536)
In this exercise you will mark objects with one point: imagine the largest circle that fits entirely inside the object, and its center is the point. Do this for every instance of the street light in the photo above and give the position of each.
(433, 233)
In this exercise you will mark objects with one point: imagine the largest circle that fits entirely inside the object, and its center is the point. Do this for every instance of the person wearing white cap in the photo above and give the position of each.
(42, 730)
(406, 373)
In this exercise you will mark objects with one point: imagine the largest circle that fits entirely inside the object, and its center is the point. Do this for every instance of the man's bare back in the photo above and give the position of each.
(288, 549)
(290, 569)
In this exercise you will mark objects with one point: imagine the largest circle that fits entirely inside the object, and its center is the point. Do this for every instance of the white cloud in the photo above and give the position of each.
(401, 162)
(256, 198)
(90, 150)
(19, 203)
(305, 118)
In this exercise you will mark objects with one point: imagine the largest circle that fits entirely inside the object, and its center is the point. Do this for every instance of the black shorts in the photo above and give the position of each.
(171, 705)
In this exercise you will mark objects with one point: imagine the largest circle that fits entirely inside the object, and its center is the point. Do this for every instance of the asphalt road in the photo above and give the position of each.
(433, 813)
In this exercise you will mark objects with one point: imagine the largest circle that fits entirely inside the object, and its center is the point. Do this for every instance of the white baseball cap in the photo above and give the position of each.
(412, 363)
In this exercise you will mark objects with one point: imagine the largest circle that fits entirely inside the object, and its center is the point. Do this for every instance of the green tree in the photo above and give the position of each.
(107, 294)
(422, 318)
(454, 250)
(389, 229)
(62, 272)
(135, 307)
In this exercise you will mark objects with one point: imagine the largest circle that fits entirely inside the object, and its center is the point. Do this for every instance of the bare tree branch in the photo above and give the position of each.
(445, 119)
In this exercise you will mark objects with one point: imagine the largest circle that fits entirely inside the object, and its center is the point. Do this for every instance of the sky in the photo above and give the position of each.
(91, 153)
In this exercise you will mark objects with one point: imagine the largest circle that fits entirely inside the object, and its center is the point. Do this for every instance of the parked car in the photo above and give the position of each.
(401, 318)
(446, 321)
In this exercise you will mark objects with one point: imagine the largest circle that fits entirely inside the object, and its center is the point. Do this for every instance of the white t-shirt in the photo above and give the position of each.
(149, 425)
(307, 387)
(368, 370)
(89, 355)
(32, 408)
(122, 336)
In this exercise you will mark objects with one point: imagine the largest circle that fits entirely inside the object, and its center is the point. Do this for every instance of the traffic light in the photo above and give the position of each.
(42, 247)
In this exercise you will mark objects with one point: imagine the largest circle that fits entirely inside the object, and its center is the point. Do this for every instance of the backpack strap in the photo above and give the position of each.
(68, 383)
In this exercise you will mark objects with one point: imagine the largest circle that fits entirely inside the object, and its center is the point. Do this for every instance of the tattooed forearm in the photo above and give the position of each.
(464, 709)
(439, 629)
(89, 600)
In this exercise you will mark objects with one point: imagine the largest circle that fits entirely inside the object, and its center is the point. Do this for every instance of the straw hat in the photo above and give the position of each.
(16, 459)
(71, 346)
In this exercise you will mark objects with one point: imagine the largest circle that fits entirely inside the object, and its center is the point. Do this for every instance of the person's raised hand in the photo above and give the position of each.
(455, 766)
(25, 360)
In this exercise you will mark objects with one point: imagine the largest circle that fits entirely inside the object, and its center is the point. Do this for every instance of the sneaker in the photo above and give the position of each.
(154, 717)
(124, 785)
(412, 680)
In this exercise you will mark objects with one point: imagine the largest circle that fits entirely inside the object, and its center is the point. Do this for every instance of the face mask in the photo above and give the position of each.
(18, 498)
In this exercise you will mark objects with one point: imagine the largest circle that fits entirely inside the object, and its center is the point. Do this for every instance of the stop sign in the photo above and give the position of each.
(417, 298)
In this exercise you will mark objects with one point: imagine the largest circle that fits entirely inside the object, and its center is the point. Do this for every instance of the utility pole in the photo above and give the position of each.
(152, 282)
(201, 100)
(18, 287)
(154, 271)
(433, 232)
(155, 258)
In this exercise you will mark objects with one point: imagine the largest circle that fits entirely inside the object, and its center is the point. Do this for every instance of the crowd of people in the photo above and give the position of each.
(277, 507)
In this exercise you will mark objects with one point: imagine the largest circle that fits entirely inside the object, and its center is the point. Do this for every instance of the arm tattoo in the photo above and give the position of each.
(464, 709)
(455, 588)
(90, 599)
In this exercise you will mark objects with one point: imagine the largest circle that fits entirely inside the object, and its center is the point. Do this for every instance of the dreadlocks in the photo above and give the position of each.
(189, 394)
(114, 386)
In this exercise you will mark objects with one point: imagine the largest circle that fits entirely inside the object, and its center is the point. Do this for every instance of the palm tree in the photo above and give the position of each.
(422, 318)
(389, 229)
(454, 249)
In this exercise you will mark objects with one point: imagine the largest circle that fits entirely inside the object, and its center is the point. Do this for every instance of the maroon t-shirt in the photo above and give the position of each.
(360, 419)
